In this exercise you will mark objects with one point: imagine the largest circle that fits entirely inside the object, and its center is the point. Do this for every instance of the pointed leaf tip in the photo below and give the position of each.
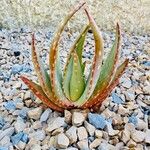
(100, 97)
(37, 90)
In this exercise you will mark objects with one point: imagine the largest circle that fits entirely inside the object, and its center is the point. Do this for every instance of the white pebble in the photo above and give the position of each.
(90, 128)
(45, 115)
(82, 133)
(62, 140)
(77, 118)
(83, 145)
(138, 136)
(72, 134)
(35, 113)
(55, 123)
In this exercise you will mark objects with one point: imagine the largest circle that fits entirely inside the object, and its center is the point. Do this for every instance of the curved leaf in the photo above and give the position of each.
(97, 61)
(98, 99)
(37, 90)
(107, 70)
(55, 69)
(67, 78)
(77, 83)
(78, 46)
(44, 79)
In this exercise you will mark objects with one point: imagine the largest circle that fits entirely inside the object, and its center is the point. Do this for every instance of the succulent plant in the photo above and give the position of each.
(69, 89)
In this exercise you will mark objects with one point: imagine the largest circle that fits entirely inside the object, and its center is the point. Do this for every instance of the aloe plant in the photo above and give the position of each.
(69, 89)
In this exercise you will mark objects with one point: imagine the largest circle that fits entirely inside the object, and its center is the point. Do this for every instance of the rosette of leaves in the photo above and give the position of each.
(69, 89)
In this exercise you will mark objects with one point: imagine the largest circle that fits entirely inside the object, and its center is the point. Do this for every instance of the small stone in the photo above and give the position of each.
(116, 99)
(19, 125)
(25, 138)
(16, 138)
(10, 105)
(39, 135)
(17, 85)
(141, 125)
(139, 147)
(129, 96)
(7, 132)
(126, 83)
(146, 89)
(146, 63)
(110, 130)
(45, 147)
(107, 113)
(19, 105)
(28, 102)
(97, 120)
(147, 136)
(16, 68)
(83, 145)
(117, 120)
(125, 136)
(37, 124)
(68, 116)
(133, 119)
(90, 128)
(131, 143)
(57, 131)
(140, 113)
(56, 123)
(52, 142)
(122, 110)
(130, 127)
(52, 148)
(35, 113)
(23, 112)
(82, 133)
(2, 122)
(106, 146)
(36, 147)
(45, 115)
(27, 95)
(4, 148)
(95, 143)
(106, 136)
(21, 145)
(62, 140)
(33, 142)
(119, 145)
(138, 136)
(5, 141)
(72, 134)
(114, 140)
(98, 133)
(77, 118)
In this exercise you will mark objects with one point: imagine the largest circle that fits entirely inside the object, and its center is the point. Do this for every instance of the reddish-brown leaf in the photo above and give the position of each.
(37, 90)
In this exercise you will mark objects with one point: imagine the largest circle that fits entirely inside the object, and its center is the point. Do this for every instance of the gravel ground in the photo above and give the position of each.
(124, 119)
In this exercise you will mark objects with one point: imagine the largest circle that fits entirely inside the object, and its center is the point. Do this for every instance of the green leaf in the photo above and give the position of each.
(44, 79)
(97, 61)
(77, 83)
(100, 97)
(107, 70)
(37, 90)
(80, 43)
(67, 78)
(55, 69)
(78, 46)
(83, 66)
